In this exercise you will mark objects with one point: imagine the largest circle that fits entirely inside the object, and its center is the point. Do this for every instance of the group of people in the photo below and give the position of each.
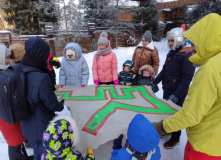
(54, 138)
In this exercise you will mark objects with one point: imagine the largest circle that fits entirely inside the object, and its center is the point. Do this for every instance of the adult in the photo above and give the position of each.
(176, 75)
(146, 53)
(201, 113)
(40, 93)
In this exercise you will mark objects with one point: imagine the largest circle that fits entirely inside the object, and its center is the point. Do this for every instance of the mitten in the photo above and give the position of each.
(118, 142)
(90, 150)
(96, 82)
(54, 62)
(159, 128)
(62, 102)
(82, 85)
(116, 82)
(154, 87)
(173, 98)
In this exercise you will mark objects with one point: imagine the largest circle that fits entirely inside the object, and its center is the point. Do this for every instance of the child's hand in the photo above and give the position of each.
(89, 150)
(116, 82)
(96, 82)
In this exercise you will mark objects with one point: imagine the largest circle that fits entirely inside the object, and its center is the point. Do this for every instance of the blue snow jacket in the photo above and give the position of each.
(40, 95)
(142, 137)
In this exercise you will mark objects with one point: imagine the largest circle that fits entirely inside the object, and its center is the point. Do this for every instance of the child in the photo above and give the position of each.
(59, 139)
(146, 76)
(141, 144)
(74, 69)
(127, 76)
(104, 63)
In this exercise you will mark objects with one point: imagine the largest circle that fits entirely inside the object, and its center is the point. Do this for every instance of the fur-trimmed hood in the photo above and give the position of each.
(149, 68)
(60, 136)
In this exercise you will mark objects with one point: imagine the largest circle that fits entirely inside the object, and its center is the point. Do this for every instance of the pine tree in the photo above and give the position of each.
(24, 15)
(199, 11)
(150, 19)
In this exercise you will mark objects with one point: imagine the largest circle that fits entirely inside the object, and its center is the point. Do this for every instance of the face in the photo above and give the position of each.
(70, 56)
(144, 43)
(102, 46)
(126, 68)
(7, 60)
(146, 74)
(193, 48)
(171, 43)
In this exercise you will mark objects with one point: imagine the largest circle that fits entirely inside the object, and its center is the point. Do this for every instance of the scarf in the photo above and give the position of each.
(36, 62)
(103, 52)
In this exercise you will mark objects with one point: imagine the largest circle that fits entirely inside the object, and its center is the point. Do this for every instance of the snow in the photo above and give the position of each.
(123, 54)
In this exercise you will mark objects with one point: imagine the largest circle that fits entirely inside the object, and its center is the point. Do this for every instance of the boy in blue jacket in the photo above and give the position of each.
(141, 144)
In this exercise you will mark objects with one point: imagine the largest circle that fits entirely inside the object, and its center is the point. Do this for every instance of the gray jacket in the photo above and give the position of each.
(73, 72)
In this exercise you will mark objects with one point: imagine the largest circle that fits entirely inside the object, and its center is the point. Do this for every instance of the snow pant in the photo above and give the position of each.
(17, 152)
(191, 154)
(175, 135)
(38, 149)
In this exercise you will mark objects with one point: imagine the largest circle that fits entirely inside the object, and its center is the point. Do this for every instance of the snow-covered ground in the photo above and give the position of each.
(102, 153)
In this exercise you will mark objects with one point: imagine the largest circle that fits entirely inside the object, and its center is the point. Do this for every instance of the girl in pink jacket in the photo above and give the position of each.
(104, 63)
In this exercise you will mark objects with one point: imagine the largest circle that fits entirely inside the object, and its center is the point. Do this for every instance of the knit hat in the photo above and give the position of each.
(60, 136)
(103, 39)
(147, 36)
(4, 52)
(147, 72)
(17, 51)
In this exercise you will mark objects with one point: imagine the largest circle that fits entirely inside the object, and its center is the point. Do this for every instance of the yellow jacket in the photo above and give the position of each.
(201, 112)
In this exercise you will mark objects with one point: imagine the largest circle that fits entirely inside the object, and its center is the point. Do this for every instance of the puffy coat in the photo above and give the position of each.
(201, 113)
(177, 73)
(73, 72)
(142, 137)
(105, 69)
(145, 80)
(63, 131)
(11, 133)
(142, 56)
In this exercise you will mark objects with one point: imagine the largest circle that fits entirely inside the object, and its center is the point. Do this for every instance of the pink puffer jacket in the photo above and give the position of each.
(105, 69)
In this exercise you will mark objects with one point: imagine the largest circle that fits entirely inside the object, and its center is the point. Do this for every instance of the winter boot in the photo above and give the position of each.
(170, 144)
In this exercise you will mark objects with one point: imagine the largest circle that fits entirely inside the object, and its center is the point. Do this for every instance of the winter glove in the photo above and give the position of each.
(54, 62)
(116, 82)
(173, 98)
(118, 142)
(89, 150)
(62, 102)
(82, 85)
(96, 82)
(154, 87)
(159, 128)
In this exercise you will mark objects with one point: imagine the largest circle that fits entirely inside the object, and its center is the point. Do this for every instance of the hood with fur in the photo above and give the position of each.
(149, 68)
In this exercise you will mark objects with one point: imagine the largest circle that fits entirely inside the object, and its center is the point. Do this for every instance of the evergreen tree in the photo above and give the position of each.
(24, 15)
(150, 20)
(199, 11)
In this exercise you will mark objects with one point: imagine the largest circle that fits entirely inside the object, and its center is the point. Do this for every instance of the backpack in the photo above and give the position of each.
(14, 106)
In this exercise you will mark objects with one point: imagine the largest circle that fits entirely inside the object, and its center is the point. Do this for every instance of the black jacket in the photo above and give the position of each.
(177, 73)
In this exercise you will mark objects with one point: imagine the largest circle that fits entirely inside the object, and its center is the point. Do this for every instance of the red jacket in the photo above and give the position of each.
(12, 133)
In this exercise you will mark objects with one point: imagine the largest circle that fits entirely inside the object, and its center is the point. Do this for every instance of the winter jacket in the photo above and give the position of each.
(59, 139)
(177, 73)
(201, 113)
(127, 78)
(142, 137)
(146, 55)
(73, 72)
(105, 69)
(39, 89)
